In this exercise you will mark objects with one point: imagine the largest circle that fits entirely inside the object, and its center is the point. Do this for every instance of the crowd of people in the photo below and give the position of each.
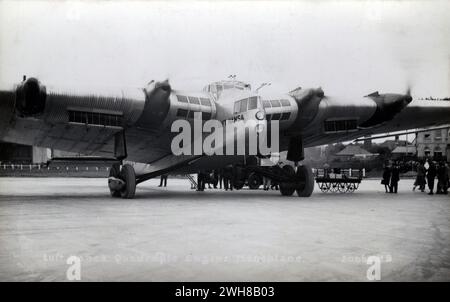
(431, 174)
(428, 172)
(391, 177)
(222, 178)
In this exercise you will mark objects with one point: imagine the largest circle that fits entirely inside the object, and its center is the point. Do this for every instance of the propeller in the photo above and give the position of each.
(408, 93)
(408, 89)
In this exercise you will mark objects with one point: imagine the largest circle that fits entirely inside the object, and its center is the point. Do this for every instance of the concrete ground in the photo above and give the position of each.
(176, 234)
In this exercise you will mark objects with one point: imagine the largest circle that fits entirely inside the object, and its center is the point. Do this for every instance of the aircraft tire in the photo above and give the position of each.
(254, 181)
(305, 174)
(129, 177)
(115, 172)
(287, 189)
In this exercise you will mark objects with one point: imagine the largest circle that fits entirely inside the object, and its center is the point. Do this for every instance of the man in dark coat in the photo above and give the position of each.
(163, 180)
(395, 178)
(420, 178)
(201, 181)
(386, 177)
(228, 177)
(447, 168)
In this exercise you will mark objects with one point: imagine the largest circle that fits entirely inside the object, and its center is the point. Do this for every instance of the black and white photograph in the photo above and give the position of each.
(224, 141)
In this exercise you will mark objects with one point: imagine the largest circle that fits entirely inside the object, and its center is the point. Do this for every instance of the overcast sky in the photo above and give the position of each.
(350, 48)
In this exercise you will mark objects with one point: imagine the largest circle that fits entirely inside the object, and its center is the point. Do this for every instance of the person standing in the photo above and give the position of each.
(431, 174)
(220, 178)
(395, 178)
(441, 172)
(266, 183)
(200, 181)
(326, 170)
(228, 177)
(386, 177)
(163, 180)
(447, 178)
(420, 178)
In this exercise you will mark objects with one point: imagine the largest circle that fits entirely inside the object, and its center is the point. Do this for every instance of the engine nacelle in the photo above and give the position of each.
(30, 97)
(308, 101)
(387, 106)
(163, 106)
(157, 104)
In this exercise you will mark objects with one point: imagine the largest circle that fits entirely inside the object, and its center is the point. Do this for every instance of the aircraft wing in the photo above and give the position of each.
(96, 121)
(324, 119)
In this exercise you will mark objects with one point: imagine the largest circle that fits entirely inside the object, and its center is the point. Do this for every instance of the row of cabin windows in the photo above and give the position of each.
(276, 103)
(194, 100)
(95, 118)
(183, 113)
(341, 125)
(278, 116)
(246, 104)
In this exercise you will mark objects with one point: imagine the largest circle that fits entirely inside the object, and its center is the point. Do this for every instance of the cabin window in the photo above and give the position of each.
(285, 116)
(182, 99)
(194, 100)
(275, 103)
(285, 103)
(95, 118)
(340, 125)
(182, 113)
(205, 102)
(276, 116)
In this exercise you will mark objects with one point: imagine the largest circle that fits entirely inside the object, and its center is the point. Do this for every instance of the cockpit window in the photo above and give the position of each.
(246, 104)
(237, 106)
(253, 103)
(243, 105)
(266, 104)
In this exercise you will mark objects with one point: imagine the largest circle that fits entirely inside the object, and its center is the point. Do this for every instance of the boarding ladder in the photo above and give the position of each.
(192, 181)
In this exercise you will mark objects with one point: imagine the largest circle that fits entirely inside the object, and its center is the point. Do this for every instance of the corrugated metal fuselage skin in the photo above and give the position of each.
(147, 131)
(53, 128)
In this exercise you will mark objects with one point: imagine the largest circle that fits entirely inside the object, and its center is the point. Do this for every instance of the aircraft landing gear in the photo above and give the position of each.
(288, 188)
(302, 181)
(306, 183)
(122, 182)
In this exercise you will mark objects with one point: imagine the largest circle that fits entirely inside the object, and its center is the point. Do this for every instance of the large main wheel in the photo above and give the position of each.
(288, 188)
(306, 177)
(254, 181)
(114, 172)
(129, 177)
